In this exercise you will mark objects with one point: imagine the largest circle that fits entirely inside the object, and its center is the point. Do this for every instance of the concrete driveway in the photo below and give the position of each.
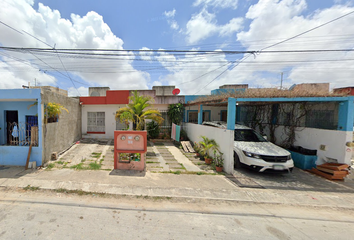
(164, 157)
(297, 180)
(98, 154)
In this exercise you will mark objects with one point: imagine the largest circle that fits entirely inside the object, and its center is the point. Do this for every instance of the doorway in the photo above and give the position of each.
(11, 117)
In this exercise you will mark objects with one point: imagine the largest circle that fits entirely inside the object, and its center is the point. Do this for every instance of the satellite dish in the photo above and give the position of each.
(176, 91)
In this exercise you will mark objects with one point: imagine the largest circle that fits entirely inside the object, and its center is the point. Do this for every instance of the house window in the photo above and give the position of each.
(95, 122)
(323, 119)
(193, 116)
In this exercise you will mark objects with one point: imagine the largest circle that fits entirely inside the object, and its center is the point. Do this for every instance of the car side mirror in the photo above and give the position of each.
(265, 137)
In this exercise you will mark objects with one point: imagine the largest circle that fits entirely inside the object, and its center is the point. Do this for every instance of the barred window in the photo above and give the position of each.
(193, 116)
(95, 122)
(323, 119)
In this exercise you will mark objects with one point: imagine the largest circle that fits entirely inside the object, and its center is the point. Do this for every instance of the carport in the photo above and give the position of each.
(330, 142)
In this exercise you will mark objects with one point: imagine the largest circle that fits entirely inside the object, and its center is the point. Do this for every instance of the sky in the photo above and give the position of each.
(129, 32)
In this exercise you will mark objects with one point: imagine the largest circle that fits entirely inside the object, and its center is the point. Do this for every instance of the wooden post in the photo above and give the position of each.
(28, 156)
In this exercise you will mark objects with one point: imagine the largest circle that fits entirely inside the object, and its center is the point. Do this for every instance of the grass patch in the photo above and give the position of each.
(78, 192)
(31, 188)
(182, 166)
(60, 162)
(50, 166)
(200, 173)
(83, 160)
(151, 162)
(95, 155)
(94, 166)
(78, 166)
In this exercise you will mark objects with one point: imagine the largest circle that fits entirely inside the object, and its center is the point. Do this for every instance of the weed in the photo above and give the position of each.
(95, 166)
(78, 192)
(95, 154)
(177, 172)
(182, 166)
(32, 188)
(60, 162)
(200, 173)
(83, 160)
(50, 166)
(78, 166)
(151, 162)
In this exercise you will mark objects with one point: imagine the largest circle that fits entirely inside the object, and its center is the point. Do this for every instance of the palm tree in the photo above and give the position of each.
(137, 111)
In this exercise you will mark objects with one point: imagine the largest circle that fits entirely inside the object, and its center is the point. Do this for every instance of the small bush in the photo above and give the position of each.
(153, 130)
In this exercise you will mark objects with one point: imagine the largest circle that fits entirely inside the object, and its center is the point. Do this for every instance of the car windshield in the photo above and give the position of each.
(248, 135)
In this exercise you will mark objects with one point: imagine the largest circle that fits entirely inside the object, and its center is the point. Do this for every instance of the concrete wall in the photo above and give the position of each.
(333, 140)
(53, 89)
(98, 91)
(163, 90)
(225, 139)
(19, 100)
(60, 135)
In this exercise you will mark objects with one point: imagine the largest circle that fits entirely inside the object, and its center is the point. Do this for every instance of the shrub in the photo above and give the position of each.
(153, 129)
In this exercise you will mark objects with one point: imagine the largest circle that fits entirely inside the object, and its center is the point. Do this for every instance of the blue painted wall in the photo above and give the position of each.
(17, 155)
(346, 115)
(189, 98)
(231, 113)
(225, 90)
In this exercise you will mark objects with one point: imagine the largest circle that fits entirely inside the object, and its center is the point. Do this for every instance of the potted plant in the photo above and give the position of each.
(206, 145)
(53, 110)
(196, 148)
(218, 160)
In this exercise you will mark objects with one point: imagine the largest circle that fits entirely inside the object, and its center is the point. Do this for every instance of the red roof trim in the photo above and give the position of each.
(112, 97)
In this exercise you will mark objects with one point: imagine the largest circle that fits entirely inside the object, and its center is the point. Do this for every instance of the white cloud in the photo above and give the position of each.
(170, 14)
(14, 74)
(274, 21)
(217, 3)
(89, 31)
(81, 91)
(174, 25)
(156, 83)
(170, 19)
(204, 25)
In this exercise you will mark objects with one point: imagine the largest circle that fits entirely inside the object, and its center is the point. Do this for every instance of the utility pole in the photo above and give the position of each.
(281, 81)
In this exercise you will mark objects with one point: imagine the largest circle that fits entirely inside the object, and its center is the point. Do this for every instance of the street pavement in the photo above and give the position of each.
(298, 188)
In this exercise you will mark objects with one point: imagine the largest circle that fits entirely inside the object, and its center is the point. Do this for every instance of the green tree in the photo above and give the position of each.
(138, 110)
(175, 113)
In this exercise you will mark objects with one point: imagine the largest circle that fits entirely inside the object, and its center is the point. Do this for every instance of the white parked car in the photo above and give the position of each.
(254, 151)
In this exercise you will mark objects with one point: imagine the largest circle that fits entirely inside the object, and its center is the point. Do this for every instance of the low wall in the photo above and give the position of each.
(225, 139)
(334, 143)
(17, 155)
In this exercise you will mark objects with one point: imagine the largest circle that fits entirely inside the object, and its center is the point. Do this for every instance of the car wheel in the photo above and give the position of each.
(237, 163)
